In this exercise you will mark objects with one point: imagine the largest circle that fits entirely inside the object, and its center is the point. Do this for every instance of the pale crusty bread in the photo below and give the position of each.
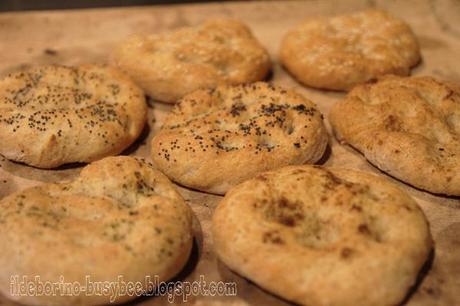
(340, 52)
(407, 127)
(120, 217)
(168, 66)
(319, 236)
(215, 139)
(54, 115)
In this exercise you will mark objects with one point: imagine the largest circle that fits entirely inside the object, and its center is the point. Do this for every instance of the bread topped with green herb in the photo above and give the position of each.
(215, 139)
(54, 115)
(323, 236)
(120, 217)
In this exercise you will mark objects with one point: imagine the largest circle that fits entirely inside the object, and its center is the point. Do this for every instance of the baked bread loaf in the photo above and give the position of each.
(319, 236)
(168, 66)
(340, 52)
(215, 139)
(407, 127)
(54, 115)
(119, 218)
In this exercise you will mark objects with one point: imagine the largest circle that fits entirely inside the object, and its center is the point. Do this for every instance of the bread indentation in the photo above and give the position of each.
(84, 112)
(252, 127)
(119, 217)
(170, 65)
(408, 127)
(315, 228)
(342, 51)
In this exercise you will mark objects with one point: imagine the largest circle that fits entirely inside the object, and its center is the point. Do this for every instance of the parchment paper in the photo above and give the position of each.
(87, 36)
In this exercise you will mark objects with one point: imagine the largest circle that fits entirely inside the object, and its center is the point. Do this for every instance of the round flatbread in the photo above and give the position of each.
(215, 139)
(120, 218)
(407, 127)
(168, 66)
(319, 236)
(54, 115)
(340, 52)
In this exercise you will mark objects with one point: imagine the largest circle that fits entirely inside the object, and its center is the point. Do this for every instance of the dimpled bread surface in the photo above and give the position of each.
(215, 139)
(342, 51)
(169, 65)
(407, 127)
(54, 115)
(119, 217)
(319, 236)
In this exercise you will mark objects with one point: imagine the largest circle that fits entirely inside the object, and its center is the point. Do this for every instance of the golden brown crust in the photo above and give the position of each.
(407, 127)
(120, 217)
(340, 52)
(215, 139)
(168, 66)
(54, 115)
(319, 236)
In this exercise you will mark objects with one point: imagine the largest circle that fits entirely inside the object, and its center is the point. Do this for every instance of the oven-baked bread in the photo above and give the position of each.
(342, 51)
(407, 127)
(53, 115)
(121, 217)
(169, 65)
(215, 139)
(319, 236)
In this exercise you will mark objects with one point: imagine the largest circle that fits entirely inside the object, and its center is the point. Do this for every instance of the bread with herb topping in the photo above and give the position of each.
(215, 139)
(320, 236)
(54, 115)
(120, 217)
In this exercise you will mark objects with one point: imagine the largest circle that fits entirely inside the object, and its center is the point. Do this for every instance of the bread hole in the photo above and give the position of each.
(142, 186)
(225, 146)
(392, 124)
(310, 231)
(284, 212)
(221, 143)
(118, 230)
(453, 120)
(288, 127)
(237, 109)
(222, 69)
(372, 227)
(426, 97)
(265, 143)
(441, 136)
(316, 233)
(220, 39)
(369, 231)
(181, 57)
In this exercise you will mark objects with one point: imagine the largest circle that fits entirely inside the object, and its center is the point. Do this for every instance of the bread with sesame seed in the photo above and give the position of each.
(169, 65)
(119, 221)
(323, 236)
(215, 139)
(54, 115)
(408, 127)
(339, 52)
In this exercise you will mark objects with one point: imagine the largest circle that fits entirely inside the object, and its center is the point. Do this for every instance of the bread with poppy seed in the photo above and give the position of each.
(54, 115)
(215, 139)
